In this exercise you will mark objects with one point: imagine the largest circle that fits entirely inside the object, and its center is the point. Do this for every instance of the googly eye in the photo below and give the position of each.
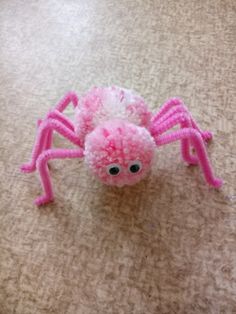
(135, 166)
(113, 169)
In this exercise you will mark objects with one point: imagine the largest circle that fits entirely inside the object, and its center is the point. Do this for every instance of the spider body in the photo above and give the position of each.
(116, 134)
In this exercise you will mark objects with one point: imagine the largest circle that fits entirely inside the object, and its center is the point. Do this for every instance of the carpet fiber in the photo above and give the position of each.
(166, 245)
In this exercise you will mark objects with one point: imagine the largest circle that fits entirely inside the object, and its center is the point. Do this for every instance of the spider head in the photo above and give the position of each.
(119, 153)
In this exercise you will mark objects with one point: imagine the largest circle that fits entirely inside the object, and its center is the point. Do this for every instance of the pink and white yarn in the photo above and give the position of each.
(116, 134)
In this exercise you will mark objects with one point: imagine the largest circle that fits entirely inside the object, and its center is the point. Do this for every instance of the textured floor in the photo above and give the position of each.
(166, 245)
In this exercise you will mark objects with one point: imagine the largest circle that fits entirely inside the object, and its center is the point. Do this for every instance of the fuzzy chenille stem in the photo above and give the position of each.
(42, 166)
(198, 143)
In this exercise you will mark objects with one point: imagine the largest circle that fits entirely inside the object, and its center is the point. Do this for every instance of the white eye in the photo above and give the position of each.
(135, 166)
(113, 169)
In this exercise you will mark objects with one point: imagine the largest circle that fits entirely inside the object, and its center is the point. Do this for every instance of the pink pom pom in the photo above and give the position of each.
(108, 103)
(119, 152)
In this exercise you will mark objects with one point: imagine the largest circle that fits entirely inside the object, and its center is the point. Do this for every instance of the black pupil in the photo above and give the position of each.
(114, 171)
(134, 168)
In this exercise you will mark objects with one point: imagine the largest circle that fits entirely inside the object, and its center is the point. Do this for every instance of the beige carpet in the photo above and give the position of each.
(166, 245)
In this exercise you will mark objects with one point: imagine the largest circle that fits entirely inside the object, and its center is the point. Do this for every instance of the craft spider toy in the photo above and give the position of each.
(117, 134)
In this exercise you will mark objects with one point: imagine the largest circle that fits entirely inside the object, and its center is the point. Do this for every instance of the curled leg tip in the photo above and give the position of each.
(217, 183)
(42, 200)
(27, 168)
(207, 136)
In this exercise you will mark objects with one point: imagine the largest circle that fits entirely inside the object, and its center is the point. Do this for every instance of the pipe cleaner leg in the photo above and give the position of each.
(48, 138)
(48, 125)
(184, 120)
(42, 166)
(66, 100)
(198, 143)
(176, 105)
(56, 115)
